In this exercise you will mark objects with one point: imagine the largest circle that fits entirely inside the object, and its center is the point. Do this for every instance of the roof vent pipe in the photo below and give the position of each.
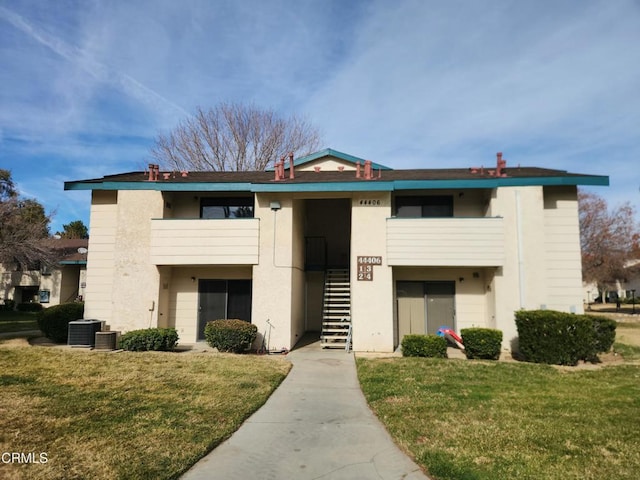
(292, 175)
(367, 170)
(358, 169)
(501, 165)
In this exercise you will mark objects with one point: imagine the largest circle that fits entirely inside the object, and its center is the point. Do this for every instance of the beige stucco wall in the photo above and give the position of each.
(520, 282)
(100, 259)
(562, 245)
(371, 301)
(325, 164)
(273, 277)
(122, 284)
(136, 280)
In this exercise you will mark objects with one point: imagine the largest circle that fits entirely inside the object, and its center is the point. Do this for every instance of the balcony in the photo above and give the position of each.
(445, 242)
(205, 241)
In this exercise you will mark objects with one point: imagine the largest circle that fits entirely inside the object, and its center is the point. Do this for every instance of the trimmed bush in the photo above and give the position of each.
(150, 339)
(230, 335)
(605, 330)
(482, 343)
(547, 336)
(30, 307)
(424, 346)
(54, 321)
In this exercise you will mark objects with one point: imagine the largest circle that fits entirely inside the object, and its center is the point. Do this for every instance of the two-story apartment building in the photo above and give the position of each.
(332, 241)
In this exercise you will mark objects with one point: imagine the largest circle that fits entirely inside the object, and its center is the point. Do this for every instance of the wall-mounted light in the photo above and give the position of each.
(275, 205)
(193, 279)
(461, 279)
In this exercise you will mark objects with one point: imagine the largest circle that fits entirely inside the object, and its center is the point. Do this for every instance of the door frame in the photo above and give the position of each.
(201, 320)
(425, 297)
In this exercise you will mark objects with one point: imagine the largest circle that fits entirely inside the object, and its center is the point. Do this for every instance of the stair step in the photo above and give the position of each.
(336, 311)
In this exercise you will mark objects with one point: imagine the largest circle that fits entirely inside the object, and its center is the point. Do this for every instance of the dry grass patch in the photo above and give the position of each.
(498, 420)
(124, 415)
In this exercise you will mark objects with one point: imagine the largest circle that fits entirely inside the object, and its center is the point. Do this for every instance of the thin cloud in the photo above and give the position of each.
(100, 71)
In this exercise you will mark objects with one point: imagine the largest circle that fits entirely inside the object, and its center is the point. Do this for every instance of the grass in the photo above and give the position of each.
(628, 340)
(124, 415)
(17, 321)
(478, 420)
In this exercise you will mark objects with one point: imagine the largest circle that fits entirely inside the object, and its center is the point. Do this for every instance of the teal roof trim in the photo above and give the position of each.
(355, 186)
(328, 152)
(72, 262)
(161, 186)
(499, 182)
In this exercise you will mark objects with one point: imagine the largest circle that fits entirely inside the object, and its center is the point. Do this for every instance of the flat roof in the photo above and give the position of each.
(311, 181)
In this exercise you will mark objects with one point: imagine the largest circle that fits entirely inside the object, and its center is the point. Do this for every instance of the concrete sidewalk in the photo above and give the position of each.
(316, 425)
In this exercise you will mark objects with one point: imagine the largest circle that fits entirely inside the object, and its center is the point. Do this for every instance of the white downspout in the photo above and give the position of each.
(520, 254)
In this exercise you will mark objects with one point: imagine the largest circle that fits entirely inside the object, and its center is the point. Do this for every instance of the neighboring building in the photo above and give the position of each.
(334, 241)
(627, 287)
(48, 286)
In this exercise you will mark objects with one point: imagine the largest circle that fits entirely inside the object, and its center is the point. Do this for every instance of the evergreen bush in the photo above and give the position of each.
(54, 321)
(150, 339)
(559, 338)
(482, 343)
(424, 346)
(230, 335)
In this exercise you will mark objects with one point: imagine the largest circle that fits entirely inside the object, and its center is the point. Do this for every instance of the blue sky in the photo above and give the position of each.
(86, 85)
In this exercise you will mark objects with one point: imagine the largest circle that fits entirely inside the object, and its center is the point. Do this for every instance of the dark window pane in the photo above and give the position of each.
(431, 206)
(239, 300)
(226, 207)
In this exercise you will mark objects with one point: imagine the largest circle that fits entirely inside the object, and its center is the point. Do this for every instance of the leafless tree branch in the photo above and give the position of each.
(234, 137)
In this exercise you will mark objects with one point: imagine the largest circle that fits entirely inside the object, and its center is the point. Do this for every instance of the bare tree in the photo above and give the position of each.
(609, 240)
(234, 137)
(24, 236)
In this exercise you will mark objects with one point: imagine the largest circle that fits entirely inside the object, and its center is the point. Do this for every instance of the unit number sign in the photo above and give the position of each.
(365, 267)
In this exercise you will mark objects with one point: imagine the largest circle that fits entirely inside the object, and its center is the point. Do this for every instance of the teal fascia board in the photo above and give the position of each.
(161, 186)
(73, 262)
(357, 186)
(499, 182)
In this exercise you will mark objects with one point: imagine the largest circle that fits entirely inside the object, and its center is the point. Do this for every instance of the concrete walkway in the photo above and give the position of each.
(316, 425)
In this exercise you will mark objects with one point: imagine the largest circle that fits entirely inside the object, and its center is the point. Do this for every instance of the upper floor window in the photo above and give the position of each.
(424, 206)
(226, 207)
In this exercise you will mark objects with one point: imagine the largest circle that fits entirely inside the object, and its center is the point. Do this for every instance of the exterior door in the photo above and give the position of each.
(440, 298)
(222, 299)
(423, 307)
(212, 303)
(411, 310)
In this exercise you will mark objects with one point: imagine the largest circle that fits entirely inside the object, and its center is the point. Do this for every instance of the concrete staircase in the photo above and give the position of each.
(336, 310)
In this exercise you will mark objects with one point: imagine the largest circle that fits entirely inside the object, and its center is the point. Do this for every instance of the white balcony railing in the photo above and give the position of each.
(205, 241)
(445, 242)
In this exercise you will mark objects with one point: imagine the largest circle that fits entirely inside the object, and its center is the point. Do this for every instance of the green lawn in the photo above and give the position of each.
(17, 321)
(124, 415)
(478, 420)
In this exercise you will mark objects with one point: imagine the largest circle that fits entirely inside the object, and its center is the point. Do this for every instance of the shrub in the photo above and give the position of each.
(424, 346)
(547, 336)
(230, 335)
(150, 339)
(54, 321)
(484, 343)
(30, 307)
(605, 330)
(8, 305)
